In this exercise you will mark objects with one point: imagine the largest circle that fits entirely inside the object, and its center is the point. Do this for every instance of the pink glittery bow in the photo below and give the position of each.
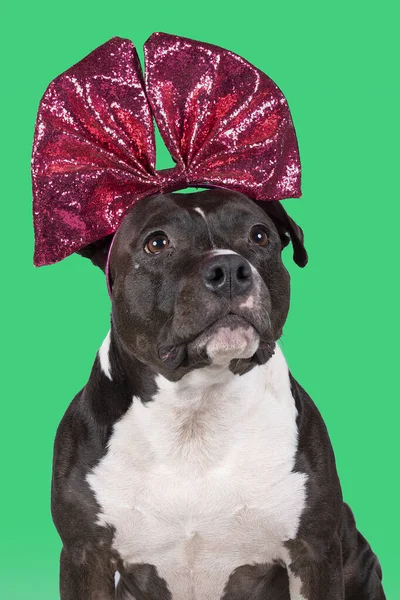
(225, 123)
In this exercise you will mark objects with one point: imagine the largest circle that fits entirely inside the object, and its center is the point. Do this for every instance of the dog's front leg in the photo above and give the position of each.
(90, 578)
(317, 575)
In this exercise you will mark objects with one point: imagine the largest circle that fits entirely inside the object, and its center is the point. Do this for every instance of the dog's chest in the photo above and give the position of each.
(199, 487)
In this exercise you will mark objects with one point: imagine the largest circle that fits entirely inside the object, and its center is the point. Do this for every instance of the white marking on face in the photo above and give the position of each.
(222, 251)
(201, 212)
(104, 356)
(137, 265)
(249, 303)
(200, 480)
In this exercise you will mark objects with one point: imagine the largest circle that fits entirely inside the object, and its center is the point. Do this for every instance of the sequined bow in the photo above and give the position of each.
(225, 123)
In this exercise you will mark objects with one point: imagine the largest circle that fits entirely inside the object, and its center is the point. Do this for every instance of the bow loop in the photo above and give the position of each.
(222, 118)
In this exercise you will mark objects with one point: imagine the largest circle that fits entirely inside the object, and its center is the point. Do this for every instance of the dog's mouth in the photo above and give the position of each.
(231, 337)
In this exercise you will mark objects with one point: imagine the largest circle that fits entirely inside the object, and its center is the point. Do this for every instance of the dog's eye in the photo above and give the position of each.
(157, 243)
(258, 236)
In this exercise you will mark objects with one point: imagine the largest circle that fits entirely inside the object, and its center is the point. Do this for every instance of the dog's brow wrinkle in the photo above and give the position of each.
(104, 356)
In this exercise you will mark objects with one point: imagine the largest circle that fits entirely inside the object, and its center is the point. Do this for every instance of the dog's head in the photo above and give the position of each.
(198, 279)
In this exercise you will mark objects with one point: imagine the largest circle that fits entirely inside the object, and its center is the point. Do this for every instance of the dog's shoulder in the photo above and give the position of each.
(81, 440)
(313, 436)
(315, 458)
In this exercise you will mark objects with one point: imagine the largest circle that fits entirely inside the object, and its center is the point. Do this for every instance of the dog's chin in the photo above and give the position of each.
(230, 338)
(231, 342)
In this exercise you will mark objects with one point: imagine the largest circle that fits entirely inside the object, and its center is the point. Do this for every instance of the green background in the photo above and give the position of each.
(337, 65)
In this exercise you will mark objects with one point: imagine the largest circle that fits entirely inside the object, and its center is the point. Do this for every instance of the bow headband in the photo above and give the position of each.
(225, 123)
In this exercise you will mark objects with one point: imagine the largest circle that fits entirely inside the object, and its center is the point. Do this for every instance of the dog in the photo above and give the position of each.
(192, 465)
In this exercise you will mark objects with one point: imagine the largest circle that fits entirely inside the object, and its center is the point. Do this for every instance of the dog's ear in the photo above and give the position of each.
(98, 251)
(287, 229)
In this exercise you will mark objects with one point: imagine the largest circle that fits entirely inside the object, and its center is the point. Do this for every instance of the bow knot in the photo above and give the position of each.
(172, 180)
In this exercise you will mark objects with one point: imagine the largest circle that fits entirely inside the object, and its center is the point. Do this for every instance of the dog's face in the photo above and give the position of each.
(198, 279)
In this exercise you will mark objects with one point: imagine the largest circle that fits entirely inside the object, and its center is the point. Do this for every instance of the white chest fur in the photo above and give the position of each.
(200, 481)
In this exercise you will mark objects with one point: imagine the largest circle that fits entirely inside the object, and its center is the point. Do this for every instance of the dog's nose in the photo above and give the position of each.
(228, 274)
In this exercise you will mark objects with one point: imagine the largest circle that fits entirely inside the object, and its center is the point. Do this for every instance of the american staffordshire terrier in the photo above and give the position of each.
(192, 464)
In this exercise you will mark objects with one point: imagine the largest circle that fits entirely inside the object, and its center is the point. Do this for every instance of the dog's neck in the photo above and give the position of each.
(193, 423)
(195, 387)
(197, 413)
